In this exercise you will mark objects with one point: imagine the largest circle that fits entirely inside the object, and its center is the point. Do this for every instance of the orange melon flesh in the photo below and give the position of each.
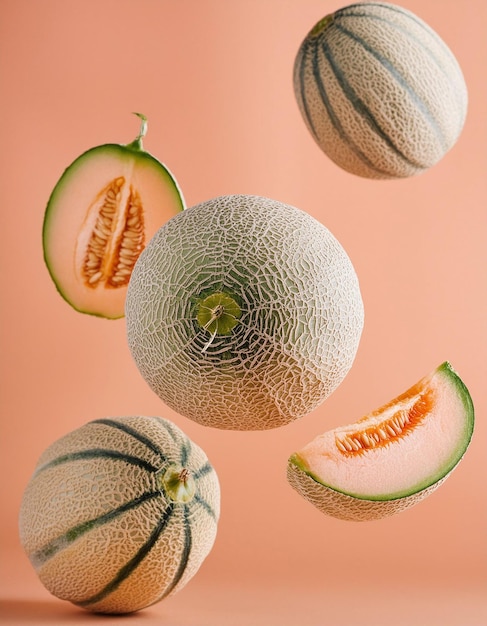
(401, 449)
(147, 194)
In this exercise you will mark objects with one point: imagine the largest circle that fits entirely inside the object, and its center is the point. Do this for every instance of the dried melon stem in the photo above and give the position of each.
(322, 25)
(217, 313)
(137, 142)
(178, 484)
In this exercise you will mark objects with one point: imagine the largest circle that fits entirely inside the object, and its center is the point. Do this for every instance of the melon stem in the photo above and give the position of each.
(209, 342)
(322, 25)
(178, 484)
(184, 475)
(137, 142)
(216, 313)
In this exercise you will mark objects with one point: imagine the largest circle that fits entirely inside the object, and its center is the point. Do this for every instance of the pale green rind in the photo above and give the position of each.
(462, 391)
(118, 151)
(420, 489)
(346, 507)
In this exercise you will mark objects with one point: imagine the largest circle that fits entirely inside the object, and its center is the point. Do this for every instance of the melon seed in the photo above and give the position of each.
(95, 278)
(386, 432)
(130, 243)
(100, 261)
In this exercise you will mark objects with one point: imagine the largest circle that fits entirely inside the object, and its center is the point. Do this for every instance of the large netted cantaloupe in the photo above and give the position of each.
(381, 93)
(120, 513)
(243, 313)
(394, 457)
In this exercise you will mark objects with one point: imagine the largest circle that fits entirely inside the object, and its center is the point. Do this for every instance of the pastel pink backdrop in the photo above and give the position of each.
(214, 79)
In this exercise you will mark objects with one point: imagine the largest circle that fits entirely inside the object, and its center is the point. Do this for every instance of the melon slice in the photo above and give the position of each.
(102, 212)
(393, 457)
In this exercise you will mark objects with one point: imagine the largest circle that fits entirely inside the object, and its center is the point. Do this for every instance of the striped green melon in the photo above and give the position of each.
(380, 92)
(120, 513)
(243, 313)
(392, 458)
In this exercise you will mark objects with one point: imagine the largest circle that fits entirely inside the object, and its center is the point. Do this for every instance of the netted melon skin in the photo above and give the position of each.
(345, 507)
(380, 92)
(301, 322)
(122, 563)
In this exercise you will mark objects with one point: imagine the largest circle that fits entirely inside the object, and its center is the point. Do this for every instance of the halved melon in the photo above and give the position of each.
(102, 212)
(393, 457)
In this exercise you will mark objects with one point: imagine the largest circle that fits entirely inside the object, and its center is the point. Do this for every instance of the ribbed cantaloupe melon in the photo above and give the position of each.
(103, 210)
(381, 93)
(120, 513)
(243, 313)
(392, 458)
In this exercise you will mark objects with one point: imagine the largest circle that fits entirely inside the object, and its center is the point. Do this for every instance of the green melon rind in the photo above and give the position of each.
(117, 150)
(350, 506)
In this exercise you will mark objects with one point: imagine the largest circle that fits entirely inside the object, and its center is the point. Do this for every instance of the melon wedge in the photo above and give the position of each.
(393, 457)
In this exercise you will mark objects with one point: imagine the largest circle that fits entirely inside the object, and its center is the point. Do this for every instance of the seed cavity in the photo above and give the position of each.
(117, 236)
(376, 433)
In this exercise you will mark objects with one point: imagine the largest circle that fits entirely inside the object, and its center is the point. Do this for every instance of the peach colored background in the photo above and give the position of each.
(214, 79)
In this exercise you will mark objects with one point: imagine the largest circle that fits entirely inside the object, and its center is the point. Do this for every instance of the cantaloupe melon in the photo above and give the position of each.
(104, 209)
(381, 93)
(393, 457)
(243, 313)
(120, 513)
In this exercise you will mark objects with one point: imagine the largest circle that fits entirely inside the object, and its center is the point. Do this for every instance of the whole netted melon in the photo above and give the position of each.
(120, 513)
(243, 313)
(381, 93)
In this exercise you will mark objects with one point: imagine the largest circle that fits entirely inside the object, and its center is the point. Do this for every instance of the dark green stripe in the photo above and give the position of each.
(184, 442)
(134, 433)
(185, 452)
(205, 505)
(54, 546)
(168, 426)
(362, 109)
(301, 73)
(348, 11)
(410, 35)
(337, 125)
(357, 103)
(183, 562)
(203, 470)
(134, 562)
(98, 453)
(426, 49)
(362, 5)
